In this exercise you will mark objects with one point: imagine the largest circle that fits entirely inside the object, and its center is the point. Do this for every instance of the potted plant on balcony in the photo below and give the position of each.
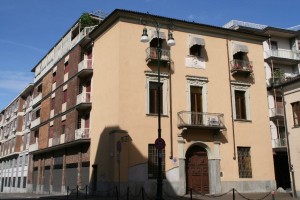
(277, 77)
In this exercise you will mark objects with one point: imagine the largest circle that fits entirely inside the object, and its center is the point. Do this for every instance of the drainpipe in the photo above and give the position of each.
(171, 108)
(288, 149)
(232, 120)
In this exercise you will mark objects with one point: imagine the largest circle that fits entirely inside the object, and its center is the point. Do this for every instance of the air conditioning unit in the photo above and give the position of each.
(214, 121)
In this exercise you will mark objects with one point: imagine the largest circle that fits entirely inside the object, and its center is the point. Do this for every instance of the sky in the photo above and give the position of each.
(30, 28)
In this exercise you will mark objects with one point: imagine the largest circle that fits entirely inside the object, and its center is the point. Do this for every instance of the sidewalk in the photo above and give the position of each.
(252, 196)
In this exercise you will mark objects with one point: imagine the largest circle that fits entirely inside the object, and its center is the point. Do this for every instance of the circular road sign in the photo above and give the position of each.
(160, 143)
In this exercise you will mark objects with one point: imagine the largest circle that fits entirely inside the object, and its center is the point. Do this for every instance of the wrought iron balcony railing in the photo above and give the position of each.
(241, 66)
(200, 120)
(152, 54)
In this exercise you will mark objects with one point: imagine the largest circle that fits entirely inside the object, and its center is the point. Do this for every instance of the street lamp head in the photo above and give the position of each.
(171, 41)
(144, 37)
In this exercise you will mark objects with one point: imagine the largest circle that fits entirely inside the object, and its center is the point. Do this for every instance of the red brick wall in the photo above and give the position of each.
(43, 136)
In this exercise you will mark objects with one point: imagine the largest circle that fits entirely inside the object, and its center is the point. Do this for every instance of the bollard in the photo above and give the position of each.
(142, 193)
(273, 195)
(191, 193)
(77, 192)
(86, 188)
(127, 194)
(233, 195)
(117, 193)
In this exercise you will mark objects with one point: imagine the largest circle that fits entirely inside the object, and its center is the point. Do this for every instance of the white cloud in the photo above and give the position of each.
(23, 45)
(14, 81)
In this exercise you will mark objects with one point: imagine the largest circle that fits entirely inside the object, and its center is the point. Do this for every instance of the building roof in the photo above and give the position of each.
(288, 82)
(263, 29)
(139, 17)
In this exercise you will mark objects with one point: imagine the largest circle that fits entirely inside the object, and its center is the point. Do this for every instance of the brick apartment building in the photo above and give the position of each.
(60, 141)
(15, 122)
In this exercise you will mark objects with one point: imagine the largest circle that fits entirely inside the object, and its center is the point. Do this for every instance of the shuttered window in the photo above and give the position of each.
(296, 113)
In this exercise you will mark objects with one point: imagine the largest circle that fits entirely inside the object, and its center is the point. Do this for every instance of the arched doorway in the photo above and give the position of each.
(197, 170)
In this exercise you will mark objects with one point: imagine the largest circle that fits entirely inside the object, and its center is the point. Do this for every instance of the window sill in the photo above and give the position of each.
(243, 120)
(156, 115)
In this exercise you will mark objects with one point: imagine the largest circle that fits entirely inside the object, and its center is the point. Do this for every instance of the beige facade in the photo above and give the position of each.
(120, 112)
(291, 91)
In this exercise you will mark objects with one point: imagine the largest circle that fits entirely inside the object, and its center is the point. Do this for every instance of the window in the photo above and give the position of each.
(36, 135)
(154, 96)
(66, 69)
(244, 162)
(195, 50)
(37, 113)
(274, 45)
(63, 127)
(240, 104)
(21, 161)
(14, 182)
(51, 131)
(65, 96)
(24, 182)
(40, 88)
(19, 182)
(26, 159)
(152, 93)
(239, 55)
(52, 106)
(153, 162)
(54, 77)
(296, 113)
(241, 101)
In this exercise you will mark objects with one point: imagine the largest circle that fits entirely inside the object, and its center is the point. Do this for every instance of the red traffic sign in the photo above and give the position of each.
(160, 143)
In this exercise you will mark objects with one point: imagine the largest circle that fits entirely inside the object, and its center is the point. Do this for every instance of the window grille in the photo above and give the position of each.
(244, 162)
(153, 162)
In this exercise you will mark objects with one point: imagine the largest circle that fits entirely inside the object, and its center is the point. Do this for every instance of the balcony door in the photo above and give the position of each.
(196, 103)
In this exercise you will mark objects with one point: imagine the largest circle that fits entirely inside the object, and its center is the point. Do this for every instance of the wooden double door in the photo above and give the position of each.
(197, 170)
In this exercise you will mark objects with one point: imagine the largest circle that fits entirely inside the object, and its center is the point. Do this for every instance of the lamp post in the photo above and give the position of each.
(159, 143)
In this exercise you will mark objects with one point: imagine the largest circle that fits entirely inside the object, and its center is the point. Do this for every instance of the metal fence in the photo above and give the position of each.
(114, 193)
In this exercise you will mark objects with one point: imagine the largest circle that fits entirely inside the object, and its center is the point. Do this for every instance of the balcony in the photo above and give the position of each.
(37, 99)
(283, 56)
(83, 101)
(35, 122)
(241, 67)
(85, 68)
(33, 147)
(279, 143)
(82, 133)
(151, 53)
(277, 113)
(200, 120)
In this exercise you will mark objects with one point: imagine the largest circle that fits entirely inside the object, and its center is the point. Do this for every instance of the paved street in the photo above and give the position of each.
(256, 196)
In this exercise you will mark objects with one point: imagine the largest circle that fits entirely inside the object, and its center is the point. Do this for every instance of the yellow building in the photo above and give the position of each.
(214, 109)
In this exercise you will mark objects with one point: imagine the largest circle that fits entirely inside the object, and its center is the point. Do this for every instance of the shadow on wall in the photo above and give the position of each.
(119, 165)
